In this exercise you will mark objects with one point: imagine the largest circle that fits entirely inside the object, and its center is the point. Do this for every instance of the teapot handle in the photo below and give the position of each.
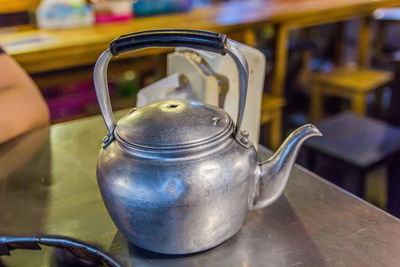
(202, 40)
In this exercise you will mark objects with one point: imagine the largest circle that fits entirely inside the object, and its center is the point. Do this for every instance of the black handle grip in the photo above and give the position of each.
(203, 40)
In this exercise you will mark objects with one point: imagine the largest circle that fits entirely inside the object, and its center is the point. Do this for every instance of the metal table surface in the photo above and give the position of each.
(48, 186)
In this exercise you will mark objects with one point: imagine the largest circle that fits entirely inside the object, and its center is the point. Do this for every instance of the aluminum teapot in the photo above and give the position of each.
(178, 176)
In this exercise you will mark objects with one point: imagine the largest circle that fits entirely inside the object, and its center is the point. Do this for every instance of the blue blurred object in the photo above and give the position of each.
(144, 8)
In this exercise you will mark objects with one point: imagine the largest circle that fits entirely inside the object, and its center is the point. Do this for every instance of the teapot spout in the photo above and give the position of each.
(272, 175)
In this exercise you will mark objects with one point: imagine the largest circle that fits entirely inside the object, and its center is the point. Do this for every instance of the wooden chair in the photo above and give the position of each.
(271, 112)
(351, 83)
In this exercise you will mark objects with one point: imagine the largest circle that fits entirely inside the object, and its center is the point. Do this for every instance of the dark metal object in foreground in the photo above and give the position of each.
(81, 251)
(48, 185)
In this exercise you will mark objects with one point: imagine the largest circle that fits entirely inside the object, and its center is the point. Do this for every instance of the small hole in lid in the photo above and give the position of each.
(172, 106)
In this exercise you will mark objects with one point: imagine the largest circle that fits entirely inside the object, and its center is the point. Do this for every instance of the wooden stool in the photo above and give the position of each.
(353, 144)
(354, 84)
(271, 112)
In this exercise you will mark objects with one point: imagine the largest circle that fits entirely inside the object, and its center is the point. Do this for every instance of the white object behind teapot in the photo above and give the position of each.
(205, 86)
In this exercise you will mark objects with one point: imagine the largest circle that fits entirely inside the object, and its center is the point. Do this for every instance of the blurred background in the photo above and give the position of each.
(333, 63)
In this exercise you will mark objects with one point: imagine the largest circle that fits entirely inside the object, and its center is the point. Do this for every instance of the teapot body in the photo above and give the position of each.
(178, 202)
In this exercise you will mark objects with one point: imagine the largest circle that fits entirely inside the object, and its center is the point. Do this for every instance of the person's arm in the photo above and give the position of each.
(22, 107)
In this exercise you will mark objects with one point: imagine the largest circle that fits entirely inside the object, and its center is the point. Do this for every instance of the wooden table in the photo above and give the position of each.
(48, 186)
(49, 50)
(288, 15)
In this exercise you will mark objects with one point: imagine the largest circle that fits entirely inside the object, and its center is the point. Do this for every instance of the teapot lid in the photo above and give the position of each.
(173, 124)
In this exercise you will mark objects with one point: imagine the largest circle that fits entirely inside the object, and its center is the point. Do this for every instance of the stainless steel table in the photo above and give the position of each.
(48, 186)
